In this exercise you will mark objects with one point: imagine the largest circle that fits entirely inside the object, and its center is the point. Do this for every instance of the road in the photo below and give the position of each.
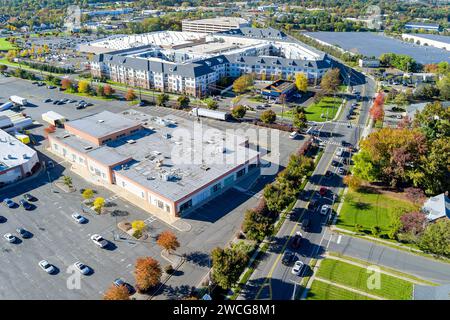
(274, 280)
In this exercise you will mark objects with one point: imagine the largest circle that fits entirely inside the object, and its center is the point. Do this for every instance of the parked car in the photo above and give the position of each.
(296, 240)
(288, 257)
(328, 173)
(306, 224)
(324, 210)
(120, 282)
(9, 203)
(82, 268)
(2, 219)
(51, 87)
(312, 204)
(25, 204)
(78, 218)
(99, 240)
(47, 267)
(10, 238)
(341, 170)
(23, 233)
(48, 100)
(297, 268)
(29, 197)
(293, 135)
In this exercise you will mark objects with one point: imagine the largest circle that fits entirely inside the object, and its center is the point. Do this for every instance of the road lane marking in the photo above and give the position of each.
(339, 239)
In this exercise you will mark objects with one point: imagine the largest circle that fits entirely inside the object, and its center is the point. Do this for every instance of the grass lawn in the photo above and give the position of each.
(330, 104)
(357, 277)
(5, 45)
(324, 291)
(369, 208)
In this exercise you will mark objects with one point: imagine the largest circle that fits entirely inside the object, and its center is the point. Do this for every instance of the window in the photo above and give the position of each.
(216, 187)
(123, 184)
(160, 204)
(167, 208)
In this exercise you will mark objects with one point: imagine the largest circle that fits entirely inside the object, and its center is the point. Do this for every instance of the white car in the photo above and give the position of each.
(9, 237)
(78, 218)
(82, 268)
(324, 210)
(47, 267)
(99, 241)
(297, 268)
(339, 152)
(293, 135)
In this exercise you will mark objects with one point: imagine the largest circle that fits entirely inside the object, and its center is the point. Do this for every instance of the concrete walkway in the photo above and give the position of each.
(350, 289)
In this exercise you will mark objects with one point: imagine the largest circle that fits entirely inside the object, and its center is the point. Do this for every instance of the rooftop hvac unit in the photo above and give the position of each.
(88, 148)
(131, 141)
(100, 121)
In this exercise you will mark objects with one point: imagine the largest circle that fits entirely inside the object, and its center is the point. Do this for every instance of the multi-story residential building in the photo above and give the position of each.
(167, 166)
(192, 63)
(214, 24)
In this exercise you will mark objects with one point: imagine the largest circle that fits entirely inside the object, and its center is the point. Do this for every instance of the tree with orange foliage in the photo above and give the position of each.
(116, 293)
(376, 111)
(168, 241)
(130, 95)
(353, 182)
(66, 83)
(147, 273)
(108, 90)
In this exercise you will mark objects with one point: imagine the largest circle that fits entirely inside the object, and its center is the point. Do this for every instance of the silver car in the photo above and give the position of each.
(46, 266)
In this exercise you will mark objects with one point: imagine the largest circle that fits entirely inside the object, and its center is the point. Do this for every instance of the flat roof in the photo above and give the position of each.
(13, 152)
(157, 153)
(219, 20)
(102, 124)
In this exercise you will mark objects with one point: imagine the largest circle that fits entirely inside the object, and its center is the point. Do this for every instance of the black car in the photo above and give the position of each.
(80, 106)
(334, 163)
(306, 224)
(296, 240)
(288, 257)
(2, 219)
(23, 233)
(25, 204)
(29, 197)
(328, 173)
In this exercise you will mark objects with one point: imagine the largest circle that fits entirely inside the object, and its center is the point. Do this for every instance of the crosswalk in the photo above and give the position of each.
(149, 220)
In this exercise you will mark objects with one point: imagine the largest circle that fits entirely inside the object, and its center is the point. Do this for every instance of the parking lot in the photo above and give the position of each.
(60, 240)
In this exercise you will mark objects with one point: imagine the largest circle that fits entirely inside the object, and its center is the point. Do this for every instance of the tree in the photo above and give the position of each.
(330, 81)
(444, 87)
(100, 90)
(436, 238)
(3, 68)
(116, 293)
(227, 265)
(299, 120)
(436, 167)
(268, 116)
(238, 112)
(256, 226)
(66, 83)
(130, 95)
(83, 86)
(243, 83)
(376, 111)
(400, 99)
(353, 182)
(413, 222)
(363, 167)
(415, 195)
(108, 91)
(138, 225)
(87, 194)
(211, 104)
(99, 203)
(67, 181)
(183, 102)
(147, 273)
(433, 120)
(301, 82)
(278, 196)
(162, 99)
(168, 241)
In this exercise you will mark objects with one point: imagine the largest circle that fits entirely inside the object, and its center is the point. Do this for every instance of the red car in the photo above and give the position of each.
(323, 191)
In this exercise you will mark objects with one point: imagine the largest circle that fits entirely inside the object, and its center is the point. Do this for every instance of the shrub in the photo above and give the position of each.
(168, 269)
(137, 234)
(376, 230)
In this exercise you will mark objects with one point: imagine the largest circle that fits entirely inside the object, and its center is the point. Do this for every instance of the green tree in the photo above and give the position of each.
(436, 238)
(162, 99)
(227, 265)
(238, 112)
(256, 226)
(434, 121)
(278, 195)
(363, 167)
(299, 120)
(211, 104)
(100, 90)
(331, 81)
(301, 82)
(183, 102)
(268, 116)
(444, 87)
(436, 167)
(401, 99)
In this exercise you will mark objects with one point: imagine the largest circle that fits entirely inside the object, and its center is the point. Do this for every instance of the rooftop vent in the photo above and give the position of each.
(204, 167)
(131, 141)
(100, 121)
(88, 148)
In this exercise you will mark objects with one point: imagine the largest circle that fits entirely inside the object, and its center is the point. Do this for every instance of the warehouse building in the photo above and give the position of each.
(192, 63)
(159, 164)
(17, 160)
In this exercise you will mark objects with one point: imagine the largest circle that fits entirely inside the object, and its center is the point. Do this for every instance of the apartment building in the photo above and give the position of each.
(213, 25)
